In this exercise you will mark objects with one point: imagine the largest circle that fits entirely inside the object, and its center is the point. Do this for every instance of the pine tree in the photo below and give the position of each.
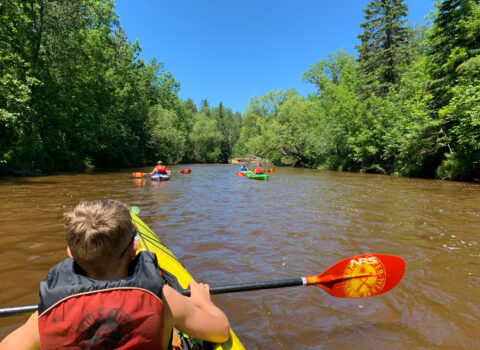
(204, 104)
(384, 45)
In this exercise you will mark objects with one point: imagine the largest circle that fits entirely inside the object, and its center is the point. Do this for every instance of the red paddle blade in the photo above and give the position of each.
(361, 276)
(271, 170)
(185, 171)
(138, 174)
(240, 174)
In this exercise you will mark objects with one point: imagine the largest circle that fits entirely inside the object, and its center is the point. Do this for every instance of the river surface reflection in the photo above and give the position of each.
(226, 229)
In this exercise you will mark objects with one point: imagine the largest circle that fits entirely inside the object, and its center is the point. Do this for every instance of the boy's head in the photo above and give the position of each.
(97, 232)
(159, 162)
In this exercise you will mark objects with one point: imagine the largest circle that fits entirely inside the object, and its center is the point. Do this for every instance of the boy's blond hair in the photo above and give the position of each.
(96, 232)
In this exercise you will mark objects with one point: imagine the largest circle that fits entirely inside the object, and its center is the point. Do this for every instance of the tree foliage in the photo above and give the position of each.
(74, 93)
(453, 40)
(408, 105)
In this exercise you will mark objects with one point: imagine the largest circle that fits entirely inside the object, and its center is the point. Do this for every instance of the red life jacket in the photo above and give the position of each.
(78, 312)
(259, 170)
(161, 169)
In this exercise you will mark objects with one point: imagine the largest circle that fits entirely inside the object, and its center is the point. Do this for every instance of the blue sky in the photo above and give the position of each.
(229, 51)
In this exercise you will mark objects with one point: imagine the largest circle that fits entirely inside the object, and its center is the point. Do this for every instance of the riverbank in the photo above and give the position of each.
(249, 161)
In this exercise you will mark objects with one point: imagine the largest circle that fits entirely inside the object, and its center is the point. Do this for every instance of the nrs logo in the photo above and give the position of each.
(370, 260)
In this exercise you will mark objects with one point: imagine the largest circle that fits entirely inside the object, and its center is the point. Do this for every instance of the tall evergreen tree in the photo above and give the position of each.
(204, 104)
(384, 43)
(228, 124)
(225, 147)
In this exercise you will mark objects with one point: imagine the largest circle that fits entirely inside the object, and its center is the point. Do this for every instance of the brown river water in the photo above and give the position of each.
(227, 229)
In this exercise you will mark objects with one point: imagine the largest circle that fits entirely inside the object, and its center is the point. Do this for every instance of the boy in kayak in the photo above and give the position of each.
(160, 168)
(258, 169)
(106, 296)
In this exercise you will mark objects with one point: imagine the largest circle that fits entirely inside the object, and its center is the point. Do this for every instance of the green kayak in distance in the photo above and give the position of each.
(253, 176)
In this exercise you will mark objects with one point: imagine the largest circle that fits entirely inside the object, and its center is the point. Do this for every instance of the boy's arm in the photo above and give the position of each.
(25, 337)
(197, 316)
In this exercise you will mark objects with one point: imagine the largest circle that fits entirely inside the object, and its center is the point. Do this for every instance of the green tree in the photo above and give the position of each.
(383, 49)
(204, 104)
(298, 121)
(166, 140)
(259, 116)
(337, 110)
(228, 124)
(328, 71)
(206, 139)
(190, 106)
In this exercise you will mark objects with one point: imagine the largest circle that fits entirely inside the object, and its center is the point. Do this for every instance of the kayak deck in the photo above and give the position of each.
(147, 240)
(252, 176)
(160, 177)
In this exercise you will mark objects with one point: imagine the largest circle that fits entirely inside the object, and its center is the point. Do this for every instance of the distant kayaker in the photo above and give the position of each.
(160, 168)
(258, 169)
(243, 168)
(106, 296)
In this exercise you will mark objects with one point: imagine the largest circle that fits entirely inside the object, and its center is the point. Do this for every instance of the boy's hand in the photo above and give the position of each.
(199, 294)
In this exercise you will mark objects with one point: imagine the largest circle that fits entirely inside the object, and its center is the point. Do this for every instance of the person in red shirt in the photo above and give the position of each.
(160, 168)
(107, 296)
(259, 169)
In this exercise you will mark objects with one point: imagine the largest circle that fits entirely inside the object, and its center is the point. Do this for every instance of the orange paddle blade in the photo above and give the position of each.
(137, 174)
(240, 174)
(185, 171)
(361, 276)
(271, 170)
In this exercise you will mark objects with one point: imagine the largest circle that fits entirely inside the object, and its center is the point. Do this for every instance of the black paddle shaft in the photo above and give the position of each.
(231, 288)
(17, 310)
(243, 287)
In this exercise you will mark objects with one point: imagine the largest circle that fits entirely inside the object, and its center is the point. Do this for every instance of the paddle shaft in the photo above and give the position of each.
(17, 310)
(289, 282)
(244, 287)
(230, 288)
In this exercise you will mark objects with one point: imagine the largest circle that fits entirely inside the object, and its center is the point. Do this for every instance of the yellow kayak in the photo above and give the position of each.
(147, 240)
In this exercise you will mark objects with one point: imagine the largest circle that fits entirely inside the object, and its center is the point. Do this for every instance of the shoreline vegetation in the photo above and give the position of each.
(75, 95)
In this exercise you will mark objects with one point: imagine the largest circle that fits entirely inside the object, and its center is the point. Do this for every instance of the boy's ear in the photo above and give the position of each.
(69, 253)
(134, 248)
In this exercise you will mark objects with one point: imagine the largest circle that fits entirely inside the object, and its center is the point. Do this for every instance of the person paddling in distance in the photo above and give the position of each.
(258, 169)
(160, 168)
(243, 169)
(107, 296)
